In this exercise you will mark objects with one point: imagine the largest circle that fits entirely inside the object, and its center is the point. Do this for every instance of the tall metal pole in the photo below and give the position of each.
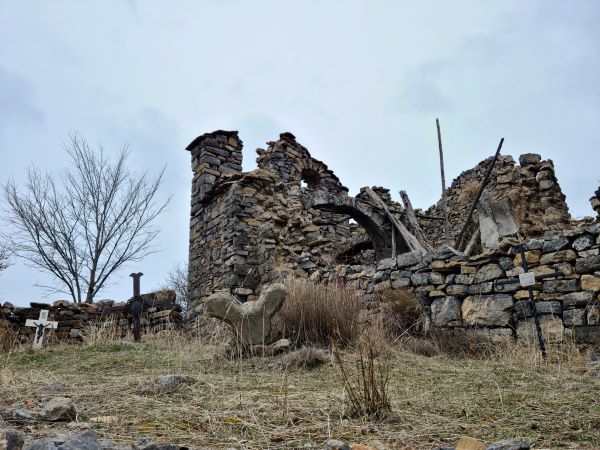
(444, 199)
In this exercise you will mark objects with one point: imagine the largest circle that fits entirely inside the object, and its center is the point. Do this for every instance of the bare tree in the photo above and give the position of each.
(4, 257)
(84, 226)
(177, 280)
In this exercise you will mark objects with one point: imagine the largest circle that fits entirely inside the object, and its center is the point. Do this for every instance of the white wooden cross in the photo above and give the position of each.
(40, 325)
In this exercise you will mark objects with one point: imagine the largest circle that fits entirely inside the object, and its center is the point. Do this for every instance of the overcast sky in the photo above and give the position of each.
(358, 82)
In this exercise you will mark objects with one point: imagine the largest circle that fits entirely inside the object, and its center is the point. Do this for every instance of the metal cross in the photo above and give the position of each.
(528, 280)
(40, 325)
(135, 306)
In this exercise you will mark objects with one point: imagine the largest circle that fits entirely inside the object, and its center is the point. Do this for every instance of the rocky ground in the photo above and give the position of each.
(172, 393)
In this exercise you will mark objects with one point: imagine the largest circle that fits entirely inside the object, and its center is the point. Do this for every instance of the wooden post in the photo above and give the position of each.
(411, 218)
(411, 241)
(484, 183)
(444, 199)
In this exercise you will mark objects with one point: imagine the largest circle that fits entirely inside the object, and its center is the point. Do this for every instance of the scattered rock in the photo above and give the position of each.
(165, 384)
(509, 444)
(59, 409)
(82, 441)
(469, 443)
(335, 444)
(11, 439)
(42, 444)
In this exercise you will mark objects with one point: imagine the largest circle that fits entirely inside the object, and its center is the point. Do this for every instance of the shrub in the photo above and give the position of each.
(402, 314)
(8, 339)
(312, 313)
(365, 382)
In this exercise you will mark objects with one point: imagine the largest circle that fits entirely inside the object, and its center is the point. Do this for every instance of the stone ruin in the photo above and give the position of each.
(292, 217)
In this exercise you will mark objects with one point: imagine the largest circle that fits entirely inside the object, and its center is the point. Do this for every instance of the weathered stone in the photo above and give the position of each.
(531, 256)
(528, 159)
(479, 289)
(408, 259)
(469, 443)
(82, 441)
(509, 444)
(456, 289)
(490, 310)
(577, 299)
(11, 439)
(584, 242)
(558, 257)
(555, 245)
(587, 265)
(420, 279)
(251, 321)
(552, 329)
(335, 444)
(59, 409)
(553, 286)
(386, 264)
(488, 272)
(593, 315)
(446, 311)
(523, 308)
(574, 317)
(590, 283)
(399, 283)
(164, 384)
(41, 444)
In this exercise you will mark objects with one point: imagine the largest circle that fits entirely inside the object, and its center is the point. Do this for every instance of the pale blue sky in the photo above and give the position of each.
(358, 82)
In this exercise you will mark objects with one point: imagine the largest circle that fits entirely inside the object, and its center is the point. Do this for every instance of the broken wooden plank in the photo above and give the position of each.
(411, 241)
(444, 199)
(411, 218)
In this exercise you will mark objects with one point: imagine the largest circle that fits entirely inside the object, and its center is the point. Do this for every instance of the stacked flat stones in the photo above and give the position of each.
(537, 199)
(462, 292)
(74, 318)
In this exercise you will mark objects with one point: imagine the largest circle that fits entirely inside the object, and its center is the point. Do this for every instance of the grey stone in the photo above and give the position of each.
(251, 321)
(577, 299)
(555, 245)
(457, 289)
(399, 283)
(523, 308)
(386, 264)
(558, 257)
(41, 444)
(509, 444)
(574, 317)
(528, 159)
(335, 444)
(481, 289)
(420, 279)
(408, 259)
(507, 288)
(554, 286)
(584, 242)
(488, 272)
(491, 310)
(436, 278)
(446, 311)
(59, 409)
(21, 415)
(82, 441)
(11, 439)
(587, 334)
(587, 265)
(169, 383)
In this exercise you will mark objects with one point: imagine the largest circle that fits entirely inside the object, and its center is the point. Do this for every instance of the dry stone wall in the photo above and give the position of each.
(458, 291)
(531, 187)
(75, 318)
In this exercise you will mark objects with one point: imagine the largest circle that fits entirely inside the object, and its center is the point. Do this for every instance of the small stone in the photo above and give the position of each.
(564, 286)
(590, 283)
(469, 443)
(587, 265)
(584, 242)
(529, 159)
(509, 444)
(82, 441)
(59, 409)
(446, 311)
(574, 317)
(531, 256)
(488, 272)
(555, 245)
(558, 257)
(281, 346)
(408, 259)
(335, 444)
(11, 439)
(41, 444)
(386, 264)
(577, 299)
(169, 383)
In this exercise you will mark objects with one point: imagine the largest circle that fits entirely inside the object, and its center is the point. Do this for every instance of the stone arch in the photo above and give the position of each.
(375, 224)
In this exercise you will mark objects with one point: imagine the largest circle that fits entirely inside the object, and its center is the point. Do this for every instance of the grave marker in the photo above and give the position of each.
(40, 325)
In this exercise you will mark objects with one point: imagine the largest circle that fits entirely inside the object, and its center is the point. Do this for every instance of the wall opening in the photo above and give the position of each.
(310, 179)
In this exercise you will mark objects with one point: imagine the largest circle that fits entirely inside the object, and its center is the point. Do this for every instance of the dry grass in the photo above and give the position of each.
(313, 313)
(253, 404)
(402, 314)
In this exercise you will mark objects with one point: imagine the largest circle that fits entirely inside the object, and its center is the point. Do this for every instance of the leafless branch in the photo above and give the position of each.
(84, 227)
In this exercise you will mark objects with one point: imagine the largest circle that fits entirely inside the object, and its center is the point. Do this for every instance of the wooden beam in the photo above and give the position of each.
(444, 199)
(411, 241)
(484, 183)
(411, 218)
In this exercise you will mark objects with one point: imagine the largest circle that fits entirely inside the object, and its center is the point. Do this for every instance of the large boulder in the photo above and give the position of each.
(250, 321)
(59, 409)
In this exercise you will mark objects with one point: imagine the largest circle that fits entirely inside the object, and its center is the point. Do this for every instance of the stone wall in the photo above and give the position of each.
(537, 201)
(458, 291)
(73, 318)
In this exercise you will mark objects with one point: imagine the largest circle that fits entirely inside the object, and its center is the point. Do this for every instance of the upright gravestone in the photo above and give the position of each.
(40, 326)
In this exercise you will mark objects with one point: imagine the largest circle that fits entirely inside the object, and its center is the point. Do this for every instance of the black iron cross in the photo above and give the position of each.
(528, 281)
(135, 306)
